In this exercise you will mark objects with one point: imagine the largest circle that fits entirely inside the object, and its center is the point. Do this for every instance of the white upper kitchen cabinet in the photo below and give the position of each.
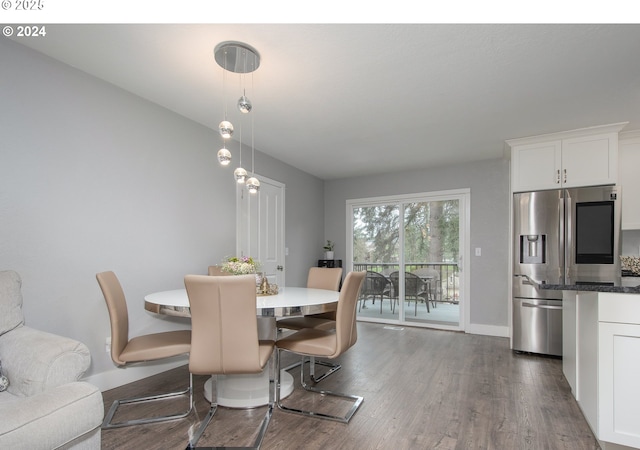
(584, 157)
(535, 166)
(629, 179)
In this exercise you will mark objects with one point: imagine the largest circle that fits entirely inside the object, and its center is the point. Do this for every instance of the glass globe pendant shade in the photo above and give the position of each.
(253, 185)
(240, 174)
(224, 157)
(226, 129)
(244, 105)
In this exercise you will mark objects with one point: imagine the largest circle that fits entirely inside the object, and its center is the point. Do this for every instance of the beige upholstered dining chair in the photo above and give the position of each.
(324, 278)
(314, 342)
(318, 278)
(217, 270)
(224, 336)
(150, 347)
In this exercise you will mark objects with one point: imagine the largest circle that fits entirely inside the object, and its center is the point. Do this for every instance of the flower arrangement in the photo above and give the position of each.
(242, 265)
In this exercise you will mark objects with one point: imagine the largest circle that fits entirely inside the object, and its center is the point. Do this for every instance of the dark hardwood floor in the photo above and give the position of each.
(423, 389)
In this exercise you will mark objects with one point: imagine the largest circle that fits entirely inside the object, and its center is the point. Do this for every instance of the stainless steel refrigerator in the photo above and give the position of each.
(565, 236)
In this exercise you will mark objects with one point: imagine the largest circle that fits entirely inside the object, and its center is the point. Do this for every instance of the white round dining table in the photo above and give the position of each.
(252, 390)
(289, 301)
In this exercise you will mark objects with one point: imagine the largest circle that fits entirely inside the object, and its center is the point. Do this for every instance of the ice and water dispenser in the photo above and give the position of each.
(532, 248)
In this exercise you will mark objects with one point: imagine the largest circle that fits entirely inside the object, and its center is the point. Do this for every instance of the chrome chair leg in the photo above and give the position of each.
(312, 368)
(263, 426)
(357, 400)
(106, 424)
(205, 422)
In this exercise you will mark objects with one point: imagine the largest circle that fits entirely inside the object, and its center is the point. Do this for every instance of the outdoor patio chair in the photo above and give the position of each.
(375, 286)
(414, 289)
(431, 278)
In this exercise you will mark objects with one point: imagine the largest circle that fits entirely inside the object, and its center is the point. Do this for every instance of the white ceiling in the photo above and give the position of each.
(342, 100)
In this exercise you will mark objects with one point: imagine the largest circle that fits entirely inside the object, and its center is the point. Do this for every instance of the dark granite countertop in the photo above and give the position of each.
(623, 285)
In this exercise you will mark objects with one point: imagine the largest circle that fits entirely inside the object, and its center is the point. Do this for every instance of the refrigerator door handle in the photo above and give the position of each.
(562, 253)
(531, 305)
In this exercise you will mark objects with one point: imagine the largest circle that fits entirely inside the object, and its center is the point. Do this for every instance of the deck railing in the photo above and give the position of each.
(447, 275)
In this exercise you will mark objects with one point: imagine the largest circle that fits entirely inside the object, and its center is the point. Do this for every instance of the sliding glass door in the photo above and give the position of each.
(376, 249)
(411, 248)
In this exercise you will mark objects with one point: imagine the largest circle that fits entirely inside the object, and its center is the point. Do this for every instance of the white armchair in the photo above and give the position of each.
(45, 406)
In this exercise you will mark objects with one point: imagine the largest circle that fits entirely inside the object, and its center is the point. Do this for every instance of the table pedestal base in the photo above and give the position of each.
(246, 391)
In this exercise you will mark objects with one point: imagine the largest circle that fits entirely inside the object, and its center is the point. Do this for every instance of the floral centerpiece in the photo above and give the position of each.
(242, 265)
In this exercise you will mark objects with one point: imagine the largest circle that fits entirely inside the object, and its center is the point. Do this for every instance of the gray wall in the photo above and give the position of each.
(631, 242)
(93, 178)
(489, 185)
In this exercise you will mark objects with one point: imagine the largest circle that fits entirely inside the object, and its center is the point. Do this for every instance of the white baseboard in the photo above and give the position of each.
(119, 376)
(488, 330)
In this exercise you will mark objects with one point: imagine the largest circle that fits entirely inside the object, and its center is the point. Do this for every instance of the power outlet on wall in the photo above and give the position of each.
(107, 344)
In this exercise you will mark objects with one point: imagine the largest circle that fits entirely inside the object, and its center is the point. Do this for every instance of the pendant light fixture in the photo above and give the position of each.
(253, 184)
(240, 174)
(224, 156)
(225, 127)
(244, 104)
(240, 58)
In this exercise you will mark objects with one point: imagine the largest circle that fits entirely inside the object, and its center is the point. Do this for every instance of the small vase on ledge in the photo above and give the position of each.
(328, 255)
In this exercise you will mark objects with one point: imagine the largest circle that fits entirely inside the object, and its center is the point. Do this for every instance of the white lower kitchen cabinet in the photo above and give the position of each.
(619, 368)
(619, 374)
(602, 352)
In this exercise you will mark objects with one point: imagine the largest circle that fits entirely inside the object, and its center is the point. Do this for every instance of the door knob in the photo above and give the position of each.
(280, 268)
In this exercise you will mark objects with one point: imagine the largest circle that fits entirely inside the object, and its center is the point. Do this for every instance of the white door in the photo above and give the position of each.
(260, 223)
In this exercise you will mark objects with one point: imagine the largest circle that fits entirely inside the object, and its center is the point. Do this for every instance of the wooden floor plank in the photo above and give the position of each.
(423, 389)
